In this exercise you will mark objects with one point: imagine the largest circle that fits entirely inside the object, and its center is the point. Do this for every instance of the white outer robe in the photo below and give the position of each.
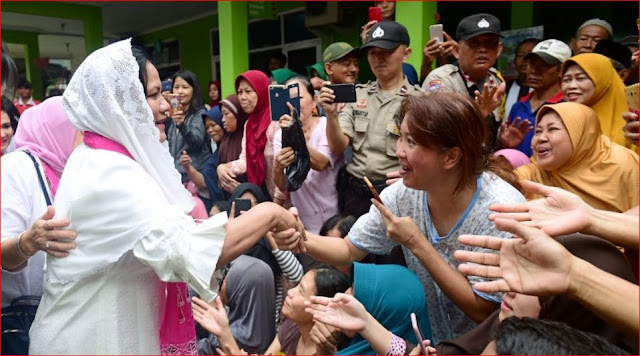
(105, 297)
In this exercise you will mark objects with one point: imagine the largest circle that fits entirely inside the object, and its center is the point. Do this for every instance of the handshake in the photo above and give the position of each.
(291, 237)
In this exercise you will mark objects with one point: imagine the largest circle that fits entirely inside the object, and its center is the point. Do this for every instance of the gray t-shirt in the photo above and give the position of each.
(369, 234)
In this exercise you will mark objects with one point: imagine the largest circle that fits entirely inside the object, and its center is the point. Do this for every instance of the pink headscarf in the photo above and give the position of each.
(47, 133)
(515, 157)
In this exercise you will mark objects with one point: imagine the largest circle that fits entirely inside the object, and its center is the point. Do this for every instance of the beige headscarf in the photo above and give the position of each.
(603, 173)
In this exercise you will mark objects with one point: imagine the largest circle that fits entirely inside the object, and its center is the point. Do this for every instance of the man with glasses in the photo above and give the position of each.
(589, 34)
(479, 45)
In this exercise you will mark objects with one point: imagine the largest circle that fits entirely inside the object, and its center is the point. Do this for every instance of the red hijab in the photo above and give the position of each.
(219, 86)
(256, 127)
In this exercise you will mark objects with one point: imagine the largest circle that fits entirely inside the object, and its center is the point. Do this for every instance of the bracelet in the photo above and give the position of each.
(398, 346)
(18, 249)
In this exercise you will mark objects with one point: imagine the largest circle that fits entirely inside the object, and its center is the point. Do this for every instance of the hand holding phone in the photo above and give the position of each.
(435, 31)
(632, 97)
(416, 330)
(175, 102)
(373, 190)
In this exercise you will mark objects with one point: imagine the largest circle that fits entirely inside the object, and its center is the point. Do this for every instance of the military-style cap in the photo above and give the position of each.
(387, 35)
(477, 24)
(338, 50)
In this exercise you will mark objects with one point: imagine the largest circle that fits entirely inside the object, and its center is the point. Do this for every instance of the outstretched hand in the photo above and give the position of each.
(490, 97)
(513, 133)
(559, 212)
(213, 318)
(343, 311)
(531, 263)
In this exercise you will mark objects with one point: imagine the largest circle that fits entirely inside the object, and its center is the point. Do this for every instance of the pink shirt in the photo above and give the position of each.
(317, 199)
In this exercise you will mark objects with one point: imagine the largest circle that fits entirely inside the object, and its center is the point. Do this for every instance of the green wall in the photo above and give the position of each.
(195, 47)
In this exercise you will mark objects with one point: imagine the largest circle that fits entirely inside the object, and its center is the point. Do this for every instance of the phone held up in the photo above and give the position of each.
(375, 14)
(241, 205)
(279, 96)
(435, 31)
(345, 93)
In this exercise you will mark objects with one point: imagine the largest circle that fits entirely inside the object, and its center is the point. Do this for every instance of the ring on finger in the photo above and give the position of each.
(47, 245)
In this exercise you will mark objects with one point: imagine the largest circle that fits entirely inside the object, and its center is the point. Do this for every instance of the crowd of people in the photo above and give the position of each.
(140, 219)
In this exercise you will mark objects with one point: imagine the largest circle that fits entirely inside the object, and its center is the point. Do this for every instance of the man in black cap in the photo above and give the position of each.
(480, 44)
(368, 124)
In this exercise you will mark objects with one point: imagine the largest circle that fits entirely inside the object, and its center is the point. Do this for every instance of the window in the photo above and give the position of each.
(287, 35)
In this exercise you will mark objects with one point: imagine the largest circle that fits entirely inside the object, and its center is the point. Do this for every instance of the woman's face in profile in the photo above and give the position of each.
(551, 143)
(159, 106)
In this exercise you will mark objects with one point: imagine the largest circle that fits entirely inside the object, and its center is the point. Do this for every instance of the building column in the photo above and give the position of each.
(521, 14)
(234, 42)
(417, 16)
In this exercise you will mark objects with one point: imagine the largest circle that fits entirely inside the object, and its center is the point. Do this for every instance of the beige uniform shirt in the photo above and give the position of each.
(370, 125)
(448, 77)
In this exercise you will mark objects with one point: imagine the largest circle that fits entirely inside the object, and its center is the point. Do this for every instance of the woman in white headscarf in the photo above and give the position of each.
(125, 199)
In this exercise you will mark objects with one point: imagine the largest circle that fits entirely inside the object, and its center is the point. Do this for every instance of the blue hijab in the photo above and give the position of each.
(209, 171)
(390, 293)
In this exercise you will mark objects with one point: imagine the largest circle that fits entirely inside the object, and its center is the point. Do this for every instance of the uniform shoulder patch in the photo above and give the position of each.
(434, 85)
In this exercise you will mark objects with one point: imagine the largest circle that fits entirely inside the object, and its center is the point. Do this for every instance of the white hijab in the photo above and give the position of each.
(105, 97)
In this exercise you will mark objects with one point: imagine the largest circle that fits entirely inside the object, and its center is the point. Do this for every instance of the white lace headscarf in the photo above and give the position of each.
(105, 96)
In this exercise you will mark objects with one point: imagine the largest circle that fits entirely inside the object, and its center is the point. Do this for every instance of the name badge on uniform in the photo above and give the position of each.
(357, 112)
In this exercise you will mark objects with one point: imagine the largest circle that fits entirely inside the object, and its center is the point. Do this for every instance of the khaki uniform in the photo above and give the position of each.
(448, 77)
(370, 125)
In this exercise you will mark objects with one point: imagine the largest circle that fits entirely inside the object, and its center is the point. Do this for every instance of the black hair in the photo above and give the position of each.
(329, 280)
(25, 84)
(141, 58)
(341, 222)
(281, 57)
(528, 40)
(9, 73)
(12, 112)
(54, 92)
(305, 83)
(196, 99)
(527, 336)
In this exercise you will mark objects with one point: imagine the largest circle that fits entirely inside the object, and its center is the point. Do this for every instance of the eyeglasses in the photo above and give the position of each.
(223, 273)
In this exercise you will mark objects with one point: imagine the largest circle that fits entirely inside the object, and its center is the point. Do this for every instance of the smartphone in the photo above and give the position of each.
(242, 205)
(632, 96)
(279, 96)
(435, 31)
(373, 190)
(416, 330)
(345, 93)
(375, 14)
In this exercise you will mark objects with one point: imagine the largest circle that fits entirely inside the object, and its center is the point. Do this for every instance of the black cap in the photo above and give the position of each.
(477, 24)
(614, 51)
(387, 35)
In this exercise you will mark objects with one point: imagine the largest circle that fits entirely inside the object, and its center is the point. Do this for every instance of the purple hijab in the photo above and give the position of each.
(47, 133)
